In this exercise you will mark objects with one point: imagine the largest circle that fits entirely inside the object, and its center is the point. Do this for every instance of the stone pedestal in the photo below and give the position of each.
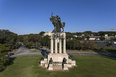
(42, 62)
(69, 60)
(45, 60)
(69, 65)
(57, 57)
(50, 67)
(65, 67)
(46, 65)
(73, 63)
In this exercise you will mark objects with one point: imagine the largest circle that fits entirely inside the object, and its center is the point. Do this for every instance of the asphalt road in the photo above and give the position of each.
(22, 51)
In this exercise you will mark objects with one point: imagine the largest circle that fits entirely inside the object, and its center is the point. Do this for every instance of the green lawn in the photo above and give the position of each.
(88, 66)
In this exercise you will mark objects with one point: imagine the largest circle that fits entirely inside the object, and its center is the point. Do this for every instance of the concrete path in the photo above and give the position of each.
(22, 51)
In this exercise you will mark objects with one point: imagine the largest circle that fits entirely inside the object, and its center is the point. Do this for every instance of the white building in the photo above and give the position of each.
(94, 38)
(112, 30)
(82, 35)
(47, 33)
(74, 35)
(114, 42)
(115, 36)
(106, 36)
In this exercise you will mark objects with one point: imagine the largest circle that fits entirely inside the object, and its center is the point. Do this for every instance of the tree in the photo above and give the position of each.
(86, 35)
(8, 38)
(41, 33)
(7, 43)
(45, 41)
(72, 44)
(69, 36)
(3, 60)
(34, 38)
(79, 38)
(109, 43)
(20, 38)
(88, 45)
(88, 32)
(102, 38)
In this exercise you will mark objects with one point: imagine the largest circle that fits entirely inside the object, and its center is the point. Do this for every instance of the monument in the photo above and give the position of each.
(58, 59)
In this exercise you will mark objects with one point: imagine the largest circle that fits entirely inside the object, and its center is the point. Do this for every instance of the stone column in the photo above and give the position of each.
(55, 45)
(51, 44)
(64, 43)
(60, 45)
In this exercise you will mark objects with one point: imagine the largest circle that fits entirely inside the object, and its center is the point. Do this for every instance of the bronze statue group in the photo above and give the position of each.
(56, 21)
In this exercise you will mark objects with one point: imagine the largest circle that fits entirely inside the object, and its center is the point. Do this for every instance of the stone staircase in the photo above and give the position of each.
(57, 66)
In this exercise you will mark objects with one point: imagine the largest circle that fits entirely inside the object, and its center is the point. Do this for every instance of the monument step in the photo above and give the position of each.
(57, 63)
(57, 67)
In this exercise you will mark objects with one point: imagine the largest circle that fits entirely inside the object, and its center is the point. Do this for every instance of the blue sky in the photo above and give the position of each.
(32, 16)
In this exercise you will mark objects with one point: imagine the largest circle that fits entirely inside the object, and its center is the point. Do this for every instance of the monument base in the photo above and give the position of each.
(57, 63)
(57, 57)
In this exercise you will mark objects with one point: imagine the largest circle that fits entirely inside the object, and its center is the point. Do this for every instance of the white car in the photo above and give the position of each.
(114, 42)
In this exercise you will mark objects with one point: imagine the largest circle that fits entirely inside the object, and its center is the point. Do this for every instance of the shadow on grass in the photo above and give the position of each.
(108, 53)
(102, 50)
(110, 57)
(7, 63)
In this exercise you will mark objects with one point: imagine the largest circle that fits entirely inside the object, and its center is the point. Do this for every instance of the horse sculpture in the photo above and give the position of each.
(56, 21)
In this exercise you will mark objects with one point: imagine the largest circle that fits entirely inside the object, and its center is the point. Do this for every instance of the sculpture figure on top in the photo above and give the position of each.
(56, 21)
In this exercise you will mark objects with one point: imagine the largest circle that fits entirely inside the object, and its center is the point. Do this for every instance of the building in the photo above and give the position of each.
(115, 36)
(47, 33)
(106, 36)
(112, 30)
(82, 35)
(74, 35)
(94, 38)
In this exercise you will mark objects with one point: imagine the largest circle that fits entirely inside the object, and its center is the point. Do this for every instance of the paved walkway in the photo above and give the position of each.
(24, 51)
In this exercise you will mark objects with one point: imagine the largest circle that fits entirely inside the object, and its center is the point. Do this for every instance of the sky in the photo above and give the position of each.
(32, 16)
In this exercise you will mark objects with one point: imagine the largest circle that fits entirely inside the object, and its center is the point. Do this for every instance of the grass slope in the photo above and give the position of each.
(88, 66)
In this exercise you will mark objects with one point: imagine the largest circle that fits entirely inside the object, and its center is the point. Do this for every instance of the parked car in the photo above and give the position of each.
(10, 54)
(114, 42)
